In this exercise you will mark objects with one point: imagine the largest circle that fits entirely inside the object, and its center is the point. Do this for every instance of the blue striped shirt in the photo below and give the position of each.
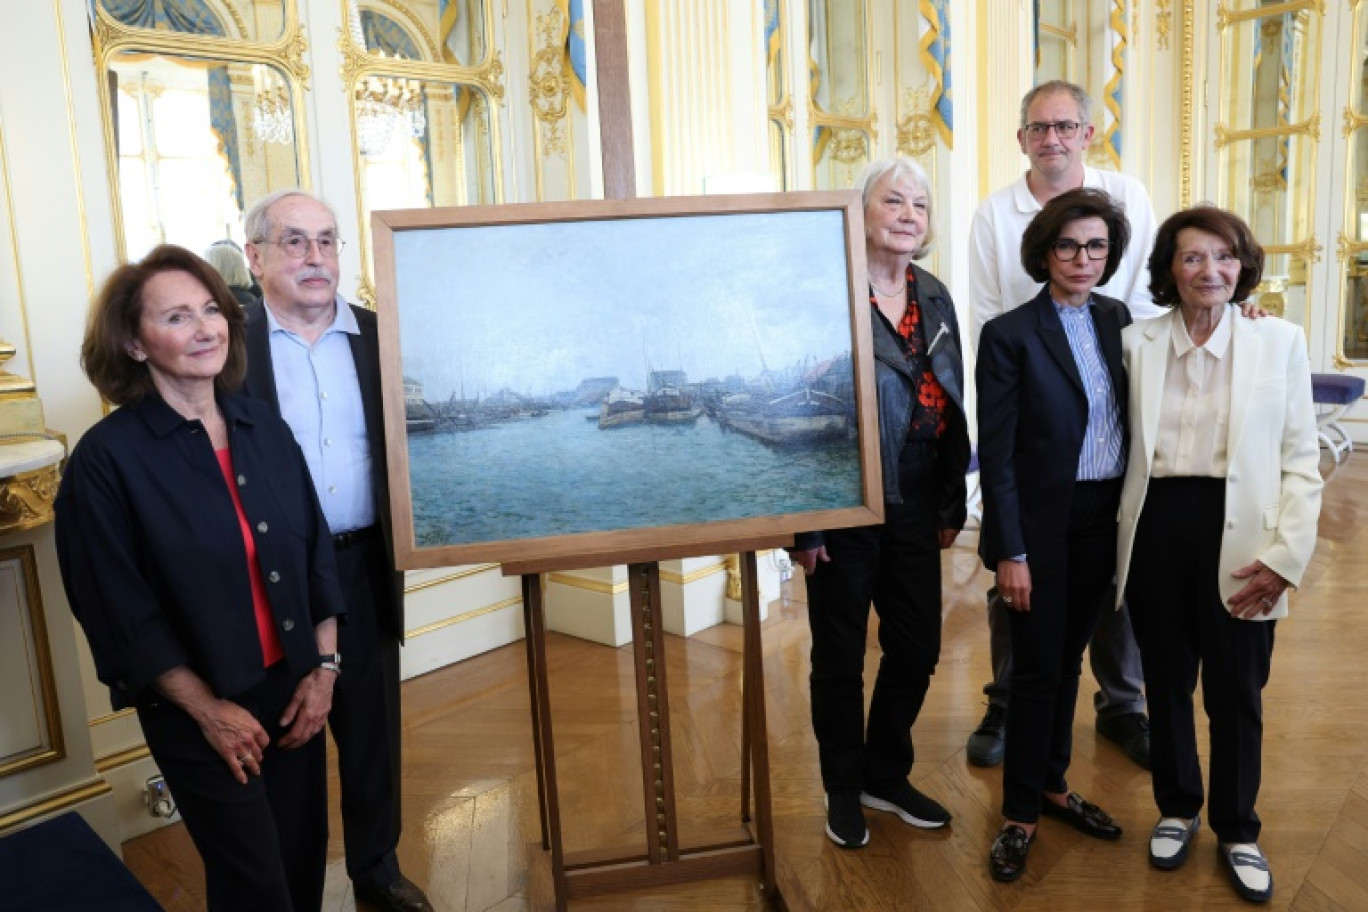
(1101, 456)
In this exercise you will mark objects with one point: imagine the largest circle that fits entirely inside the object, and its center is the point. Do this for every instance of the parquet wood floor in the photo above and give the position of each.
(471, 833)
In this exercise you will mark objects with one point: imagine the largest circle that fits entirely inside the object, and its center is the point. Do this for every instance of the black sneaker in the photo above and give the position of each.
(986, 744)
(1131, 733)
(845, 821)
(912, 806)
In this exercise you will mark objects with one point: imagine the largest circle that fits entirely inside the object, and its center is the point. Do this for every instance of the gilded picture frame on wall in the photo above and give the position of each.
(625, 380)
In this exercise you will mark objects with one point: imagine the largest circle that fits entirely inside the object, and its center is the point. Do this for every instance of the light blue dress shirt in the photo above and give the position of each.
(1101, 456)
(320, 399)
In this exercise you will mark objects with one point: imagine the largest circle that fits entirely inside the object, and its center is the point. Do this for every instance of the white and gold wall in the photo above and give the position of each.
(1259, 106)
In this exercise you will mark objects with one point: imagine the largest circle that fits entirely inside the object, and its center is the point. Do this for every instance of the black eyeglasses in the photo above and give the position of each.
(1065, 129)
(1067, 249)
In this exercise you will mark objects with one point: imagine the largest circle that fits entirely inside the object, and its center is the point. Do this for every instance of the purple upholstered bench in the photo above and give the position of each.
(1336, 394)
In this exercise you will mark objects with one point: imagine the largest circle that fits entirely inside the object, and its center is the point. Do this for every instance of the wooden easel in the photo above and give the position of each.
(663, 861)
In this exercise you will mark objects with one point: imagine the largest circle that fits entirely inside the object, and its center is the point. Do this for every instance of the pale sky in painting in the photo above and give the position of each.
(539, 307)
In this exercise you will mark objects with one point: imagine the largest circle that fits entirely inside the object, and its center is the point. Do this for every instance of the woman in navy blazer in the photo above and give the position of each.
(1052, 425)
(196, 558)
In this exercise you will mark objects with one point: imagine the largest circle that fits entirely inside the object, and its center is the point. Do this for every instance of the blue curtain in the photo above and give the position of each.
(935, 56)
(224, 123)
(191, 16)
(576, 52)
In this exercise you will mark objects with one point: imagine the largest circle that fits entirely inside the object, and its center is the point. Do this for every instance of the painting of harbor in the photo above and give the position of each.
(625, 374)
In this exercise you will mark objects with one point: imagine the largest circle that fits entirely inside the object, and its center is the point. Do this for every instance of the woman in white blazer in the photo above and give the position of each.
(1218, 519)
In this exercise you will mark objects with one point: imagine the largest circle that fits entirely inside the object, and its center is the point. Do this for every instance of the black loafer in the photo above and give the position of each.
(1007, 858)
(1083, 816)
(1131, 733)
(401, 896)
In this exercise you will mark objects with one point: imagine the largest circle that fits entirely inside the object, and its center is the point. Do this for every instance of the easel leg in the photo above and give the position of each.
(531, 644)
(544, 744)
(653, 713)
(754, 672)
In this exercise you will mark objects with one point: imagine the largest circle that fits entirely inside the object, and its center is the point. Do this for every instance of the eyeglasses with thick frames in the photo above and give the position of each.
(1064, 129)
(296, 246)
(1066, 249)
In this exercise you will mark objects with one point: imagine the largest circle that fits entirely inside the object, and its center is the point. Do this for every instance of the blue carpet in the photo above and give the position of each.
(60, 865)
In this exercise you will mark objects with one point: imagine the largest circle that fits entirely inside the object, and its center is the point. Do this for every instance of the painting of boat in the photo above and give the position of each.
(668, 399)
(622, 407)
(803, 416)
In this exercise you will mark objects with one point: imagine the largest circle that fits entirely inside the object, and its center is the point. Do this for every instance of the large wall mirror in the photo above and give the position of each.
(1267, 136)
(1353, 248)
(424, 89)
(1085, 42)
(202, 114)
(778, 97)
(839, 70)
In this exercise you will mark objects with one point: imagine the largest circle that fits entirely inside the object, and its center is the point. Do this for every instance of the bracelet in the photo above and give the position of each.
(331, 666)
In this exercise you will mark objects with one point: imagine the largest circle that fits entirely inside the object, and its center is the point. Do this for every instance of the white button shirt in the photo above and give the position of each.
(997, 281)
(1194, 414)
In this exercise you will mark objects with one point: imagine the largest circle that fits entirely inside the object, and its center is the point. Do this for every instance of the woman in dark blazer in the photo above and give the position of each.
(197, 560)
(924, 449)
(1052, 452)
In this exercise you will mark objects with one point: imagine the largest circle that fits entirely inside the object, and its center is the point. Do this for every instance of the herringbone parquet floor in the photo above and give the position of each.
(470, 795)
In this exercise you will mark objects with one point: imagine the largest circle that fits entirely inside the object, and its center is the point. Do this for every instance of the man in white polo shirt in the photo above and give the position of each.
(1056, 128)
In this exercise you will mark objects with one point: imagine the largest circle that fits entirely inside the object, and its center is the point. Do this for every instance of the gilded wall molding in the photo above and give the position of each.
(26, 498)
(1189, 104)
(1225, 16)
(549, 87)
(1163, 23)
(59, 802)
(917, 128)
(1309, 127)
(287, 51)
(49, 713)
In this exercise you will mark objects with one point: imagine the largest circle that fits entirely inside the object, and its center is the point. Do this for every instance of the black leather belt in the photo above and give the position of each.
(344, 540)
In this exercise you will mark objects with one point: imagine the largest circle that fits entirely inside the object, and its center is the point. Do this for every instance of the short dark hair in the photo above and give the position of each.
(116, 314)
(1227, 226)
(1071, 206)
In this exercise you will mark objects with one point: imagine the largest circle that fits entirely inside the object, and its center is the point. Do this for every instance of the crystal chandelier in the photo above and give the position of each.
(385, 105)
(271, 115)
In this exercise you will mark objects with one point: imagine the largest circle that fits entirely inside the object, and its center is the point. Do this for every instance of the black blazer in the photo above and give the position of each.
(1032, 415)
(152, 555)
(260, 383)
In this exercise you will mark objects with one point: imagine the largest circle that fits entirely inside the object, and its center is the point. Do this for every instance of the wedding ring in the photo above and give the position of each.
(1268, 602)
(1007, 600)
(242, 761)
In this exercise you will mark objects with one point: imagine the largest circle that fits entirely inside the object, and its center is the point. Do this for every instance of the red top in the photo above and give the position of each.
(271, 650)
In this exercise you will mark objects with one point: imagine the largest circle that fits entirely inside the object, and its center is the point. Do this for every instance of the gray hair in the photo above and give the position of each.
(257, 222)
(900, 167)
(1059, 86)
(226, 257)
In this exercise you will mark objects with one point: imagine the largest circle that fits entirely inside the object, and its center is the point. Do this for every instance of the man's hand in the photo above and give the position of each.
(809, 558)
(308, 708)
(1014, 584)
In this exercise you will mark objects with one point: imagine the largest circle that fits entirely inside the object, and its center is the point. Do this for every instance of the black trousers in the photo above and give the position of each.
(1183, 628)
(1067, 591)
(365, 719)
(896, 566)
(264, 844)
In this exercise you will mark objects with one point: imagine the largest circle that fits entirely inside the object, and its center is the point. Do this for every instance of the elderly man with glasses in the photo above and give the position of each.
(316, 360)
(1056, 129)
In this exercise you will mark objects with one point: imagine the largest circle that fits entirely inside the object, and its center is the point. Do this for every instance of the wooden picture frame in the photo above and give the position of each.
(497, 322)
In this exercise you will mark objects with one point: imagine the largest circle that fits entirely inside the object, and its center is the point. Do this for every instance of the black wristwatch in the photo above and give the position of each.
(331, 661)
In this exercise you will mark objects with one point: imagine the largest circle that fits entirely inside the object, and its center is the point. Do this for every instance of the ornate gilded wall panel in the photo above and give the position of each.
(1352, 249)
(32, 731)
(1268, 131)
(841, 86)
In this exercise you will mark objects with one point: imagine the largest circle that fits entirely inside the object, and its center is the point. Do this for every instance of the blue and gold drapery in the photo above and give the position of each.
(1114, 94)
(384, 34)
(575, 61)
(935, 57)
(196, 18)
